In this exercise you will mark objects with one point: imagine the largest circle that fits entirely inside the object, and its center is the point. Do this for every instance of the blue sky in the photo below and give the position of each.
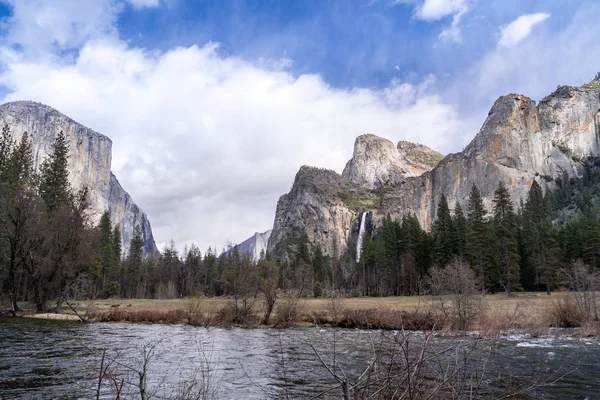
(213, 106)
(349, 43)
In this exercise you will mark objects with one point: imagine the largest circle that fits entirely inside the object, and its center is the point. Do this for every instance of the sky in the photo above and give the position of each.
(213, 105)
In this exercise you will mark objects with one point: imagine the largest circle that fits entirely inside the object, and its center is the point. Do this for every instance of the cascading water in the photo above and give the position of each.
(361, 231)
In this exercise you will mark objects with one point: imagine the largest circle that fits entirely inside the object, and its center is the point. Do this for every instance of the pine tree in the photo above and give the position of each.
(505, 225)
(55, 189)
(117, 247)
(459, 231)
(442, 233)
(388, 261)
(410, 248)
(539, 239)
(368, 265)
(477, 244)
(105, 251)
(134, 264)
(6, 145)
(19, 166)
(318, 263)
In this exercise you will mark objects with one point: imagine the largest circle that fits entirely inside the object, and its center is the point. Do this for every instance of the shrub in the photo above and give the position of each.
(112, 289)
(455, 290)
(583, 283)
(564, 313)
(317, 290)
(152, 316)
(287, 312)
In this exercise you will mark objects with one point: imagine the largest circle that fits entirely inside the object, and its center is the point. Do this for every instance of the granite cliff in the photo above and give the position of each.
(89, 164)
(519, 142)
(377, 162)
(255, 245)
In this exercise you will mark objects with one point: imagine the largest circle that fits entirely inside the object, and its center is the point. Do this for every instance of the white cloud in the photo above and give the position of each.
(433, 10)
(206, 143)
(41, 25)
(144, 3)
(453, 33)
(520, 28)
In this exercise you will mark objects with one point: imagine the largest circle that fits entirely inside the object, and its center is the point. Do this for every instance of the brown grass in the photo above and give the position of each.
(563, 313)
(529, 312)
(175, 316)
(288, 312)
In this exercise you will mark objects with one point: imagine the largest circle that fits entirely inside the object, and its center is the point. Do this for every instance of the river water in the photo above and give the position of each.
(57, 359)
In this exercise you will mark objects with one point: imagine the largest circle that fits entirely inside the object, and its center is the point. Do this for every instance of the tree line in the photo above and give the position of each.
(509, 247)
(49, 250)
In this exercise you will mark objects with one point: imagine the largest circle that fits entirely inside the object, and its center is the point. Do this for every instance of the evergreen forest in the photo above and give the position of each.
(51, 253)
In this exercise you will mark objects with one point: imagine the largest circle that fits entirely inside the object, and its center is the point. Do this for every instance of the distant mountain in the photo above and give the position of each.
(89, 164)
(520, 142)
(254, 245)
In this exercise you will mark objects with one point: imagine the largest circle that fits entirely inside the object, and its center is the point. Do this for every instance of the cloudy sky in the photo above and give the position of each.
(213, 105)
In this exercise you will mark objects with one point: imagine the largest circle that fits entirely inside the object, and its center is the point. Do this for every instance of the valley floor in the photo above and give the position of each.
(490, 315)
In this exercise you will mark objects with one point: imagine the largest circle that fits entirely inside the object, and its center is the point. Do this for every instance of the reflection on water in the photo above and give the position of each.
(56, 359)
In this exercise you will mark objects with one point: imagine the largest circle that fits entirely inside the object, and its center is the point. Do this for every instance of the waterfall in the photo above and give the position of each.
(361, 231)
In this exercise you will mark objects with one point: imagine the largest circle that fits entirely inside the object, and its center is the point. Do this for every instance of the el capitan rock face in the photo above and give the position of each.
(518, 143)
(89, 163)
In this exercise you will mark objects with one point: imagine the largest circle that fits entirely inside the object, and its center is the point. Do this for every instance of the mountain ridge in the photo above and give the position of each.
(518, 143)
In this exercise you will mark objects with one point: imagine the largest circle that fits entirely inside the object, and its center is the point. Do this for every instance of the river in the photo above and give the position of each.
(56, 359)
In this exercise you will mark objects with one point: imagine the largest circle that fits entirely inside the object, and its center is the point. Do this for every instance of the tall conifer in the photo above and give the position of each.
(442, 233)
(55, 189)
(505, 225)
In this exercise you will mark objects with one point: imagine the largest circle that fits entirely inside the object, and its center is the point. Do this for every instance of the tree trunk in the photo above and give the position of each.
(12, 287)
(59, 303)
(38, 298)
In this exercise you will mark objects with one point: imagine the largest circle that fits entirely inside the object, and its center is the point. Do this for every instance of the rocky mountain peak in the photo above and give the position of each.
(255, 245)
(519, 143)
(419, 155)
(377, 162)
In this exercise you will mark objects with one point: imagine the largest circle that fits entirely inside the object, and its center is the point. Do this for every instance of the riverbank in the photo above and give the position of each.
(489, 316)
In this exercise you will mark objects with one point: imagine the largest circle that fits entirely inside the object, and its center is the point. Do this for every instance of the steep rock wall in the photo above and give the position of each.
(518, 143)
(89, 163)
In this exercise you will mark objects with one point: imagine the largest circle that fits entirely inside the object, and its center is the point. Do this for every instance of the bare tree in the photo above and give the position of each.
(583, 282)
(455, 290)
(268, 284)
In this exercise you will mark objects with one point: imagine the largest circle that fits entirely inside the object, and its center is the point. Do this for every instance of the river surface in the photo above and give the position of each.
(56, 359)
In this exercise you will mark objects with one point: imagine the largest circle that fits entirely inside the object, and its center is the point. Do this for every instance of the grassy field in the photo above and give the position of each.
(491, 314)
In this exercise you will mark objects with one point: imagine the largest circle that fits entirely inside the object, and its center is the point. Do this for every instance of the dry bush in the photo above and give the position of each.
(418, 320)
(496, 321)
(563, 312)
(232, 315)
(202, 313)
(583, 282)
(225, 315)
(538, 329)
(335, 308)
(589, 329)
(320, 317)
(455, 292)
(288, 312)
(365, 319)
(152, 316)
(391, 319)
